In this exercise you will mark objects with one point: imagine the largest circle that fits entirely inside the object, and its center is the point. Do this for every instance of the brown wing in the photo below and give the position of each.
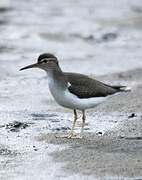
(85, 87)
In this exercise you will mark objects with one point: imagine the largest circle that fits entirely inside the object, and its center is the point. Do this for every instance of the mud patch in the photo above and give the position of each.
(16, 126)
(109, 36)
(5, 9)
(6, 152)
(131, 138)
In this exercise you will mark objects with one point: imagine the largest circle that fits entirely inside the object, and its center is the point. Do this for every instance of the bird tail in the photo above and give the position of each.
(122, 88)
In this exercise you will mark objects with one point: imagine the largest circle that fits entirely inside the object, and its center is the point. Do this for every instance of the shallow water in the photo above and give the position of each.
(91, 37)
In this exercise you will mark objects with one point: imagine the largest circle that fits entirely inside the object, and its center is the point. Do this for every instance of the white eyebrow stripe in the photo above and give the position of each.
(44, 59)
(48, 59)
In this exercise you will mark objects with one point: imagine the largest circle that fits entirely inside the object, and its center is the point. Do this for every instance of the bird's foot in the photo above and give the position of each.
(77, 136)
(70, 135)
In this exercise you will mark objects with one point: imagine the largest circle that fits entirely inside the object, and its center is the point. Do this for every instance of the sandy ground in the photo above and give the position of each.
(118, 153)
(111, 147)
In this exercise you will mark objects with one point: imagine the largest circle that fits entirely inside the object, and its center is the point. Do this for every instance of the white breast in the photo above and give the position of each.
(56, 92)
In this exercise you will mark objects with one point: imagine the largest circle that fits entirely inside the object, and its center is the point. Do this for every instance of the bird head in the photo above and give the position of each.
(45, 61)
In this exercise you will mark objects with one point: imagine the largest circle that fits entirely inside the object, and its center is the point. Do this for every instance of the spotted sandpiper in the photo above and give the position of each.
(73, 90)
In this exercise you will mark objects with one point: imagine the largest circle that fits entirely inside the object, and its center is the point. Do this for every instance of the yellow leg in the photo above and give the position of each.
(83, 124)
(70, 135)
(74, 122)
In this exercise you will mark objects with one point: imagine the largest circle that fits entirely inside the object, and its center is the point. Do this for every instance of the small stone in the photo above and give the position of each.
(132, 115)
(99, 133)
(35, 149)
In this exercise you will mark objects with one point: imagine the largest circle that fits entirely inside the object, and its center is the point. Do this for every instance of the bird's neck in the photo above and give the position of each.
(57, 77)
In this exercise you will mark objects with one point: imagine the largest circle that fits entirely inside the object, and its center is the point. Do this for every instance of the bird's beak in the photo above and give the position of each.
(36, 65)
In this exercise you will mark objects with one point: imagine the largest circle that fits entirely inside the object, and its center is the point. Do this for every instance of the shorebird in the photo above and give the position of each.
(73, 90)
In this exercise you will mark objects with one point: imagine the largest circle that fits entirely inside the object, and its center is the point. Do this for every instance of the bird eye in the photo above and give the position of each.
(44, 61)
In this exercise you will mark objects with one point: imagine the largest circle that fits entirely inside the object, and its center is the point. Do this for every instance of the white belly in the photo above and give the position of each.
(72, 101)
(67, 99)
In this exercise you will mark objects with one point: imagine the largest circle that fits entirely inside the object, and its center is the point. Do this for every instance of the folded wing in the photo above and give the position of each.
(85, 87)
